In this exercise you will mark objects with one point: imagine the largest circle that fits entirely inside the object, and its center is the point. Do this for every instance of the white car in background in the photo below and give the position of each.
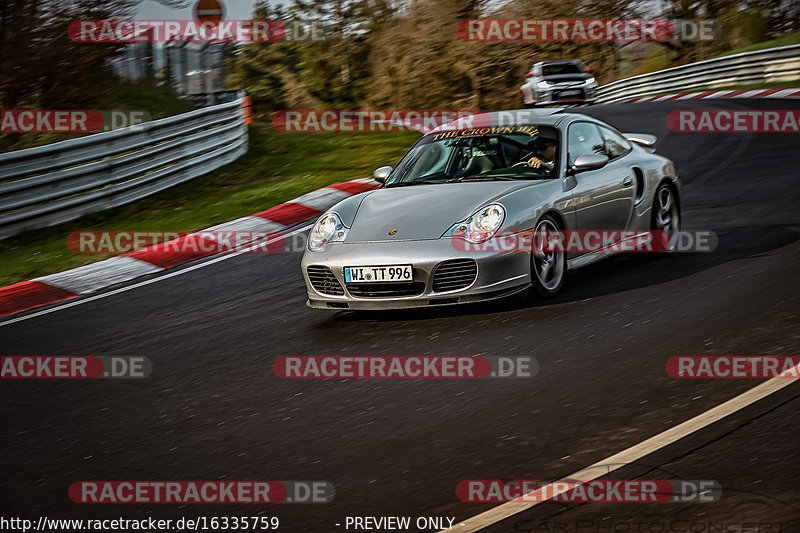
(559, 82)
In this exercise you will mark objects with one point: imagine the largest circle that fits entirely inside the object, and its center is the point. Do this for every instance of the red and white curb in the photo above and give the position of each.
(737, 93)
(96, 276)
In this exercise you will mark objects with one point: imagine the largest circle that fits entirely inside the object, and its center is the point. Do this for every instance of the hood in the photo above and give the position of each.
(423, 211)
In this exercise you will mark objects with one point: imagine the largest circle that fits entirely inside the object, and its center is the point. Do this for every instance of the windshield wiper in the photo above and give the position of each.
(523, 177)
(498, 177)
(421, 180)
(406, 183)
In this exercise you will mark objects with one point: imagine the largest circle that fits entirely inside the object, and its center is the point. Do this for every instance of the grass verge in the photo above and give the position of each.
(277, 167)
(158, 101)
(786, 40)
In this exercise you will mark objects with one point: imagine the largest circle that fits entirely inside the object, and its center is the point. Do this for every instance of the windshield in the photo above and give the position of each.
(481, 154)
(560, 68)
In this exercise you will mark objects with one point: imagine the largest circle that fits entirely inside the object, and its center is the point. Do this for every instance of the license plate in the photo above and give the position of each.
(378, 274)
(569, 93)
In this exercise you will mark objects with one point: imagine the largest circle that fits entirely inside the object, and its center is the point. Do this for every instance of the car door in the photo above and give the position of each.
(617, 148)
(603, 198)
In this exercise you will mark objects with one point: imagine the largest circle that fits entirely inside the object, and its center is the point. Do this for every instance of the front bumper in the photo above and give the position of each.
(499, 274)
(566, 94)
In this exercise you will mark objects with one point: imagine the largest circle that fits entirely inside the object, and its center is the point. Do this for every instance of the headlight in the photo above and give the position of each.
(329, 228)
(480, 226)
(543, 84)
(589, 81)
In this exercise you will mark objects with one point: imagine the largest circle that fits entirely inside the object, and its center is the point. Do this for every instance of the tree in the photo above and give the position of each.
(40, 66)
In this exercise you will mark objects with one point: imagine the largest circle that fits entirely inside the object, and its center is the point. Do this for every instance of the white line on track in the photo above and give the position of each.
(149, 281)
(626, 457)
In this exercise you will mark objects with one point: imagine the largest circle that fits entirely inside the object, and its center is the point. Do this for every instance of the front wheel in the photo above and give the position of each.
(548, 267)
(666, 216)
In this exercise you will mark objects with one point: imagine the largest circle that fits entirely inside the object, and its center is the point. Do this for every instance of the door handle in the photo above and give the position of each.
(627, 182)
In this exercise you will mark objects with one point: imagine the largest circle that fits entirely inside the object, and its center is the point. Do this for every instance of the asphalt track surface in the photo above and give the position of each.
(213, 409)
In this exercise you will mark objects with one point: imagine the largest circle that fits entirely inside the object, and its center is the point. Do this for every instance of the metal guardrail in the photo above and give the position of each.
(51, 184)
(761, 66)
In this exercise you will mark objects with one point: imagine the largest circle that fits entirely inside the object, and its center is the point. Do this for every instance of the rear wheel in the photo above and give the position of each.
(666, 216)
(548, 267)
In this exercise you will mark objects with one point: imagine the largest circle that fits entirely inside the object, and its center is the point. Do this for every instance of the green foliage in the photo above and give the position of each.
(380, 56)
(786, 40)
(655, 60)
(40, 67)
(743, 27)
(158, 101)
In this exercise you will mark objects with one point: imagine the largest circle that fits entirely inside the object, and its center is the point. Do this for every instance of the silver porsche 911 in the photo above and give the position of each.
(427, 236)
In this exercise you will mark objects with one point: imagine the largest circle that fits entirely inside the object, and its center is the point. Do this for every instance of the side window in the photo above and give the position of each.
(616, 144)
(584, 138)
(432, 160)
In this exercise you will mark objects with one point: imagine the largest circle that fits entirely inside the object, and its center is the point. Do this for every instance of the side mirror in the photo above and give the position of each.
(381, 174)
(589, 70)
(529, 75)
(589, 162)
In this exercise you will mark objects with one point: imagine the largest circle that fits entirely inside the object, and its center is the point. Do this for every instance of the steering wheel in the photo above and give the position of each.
(524, 160)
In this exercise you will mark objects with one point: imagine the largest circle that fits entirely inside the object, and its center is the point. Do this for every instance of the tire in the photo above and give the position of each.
(666, 215)
(548, 269)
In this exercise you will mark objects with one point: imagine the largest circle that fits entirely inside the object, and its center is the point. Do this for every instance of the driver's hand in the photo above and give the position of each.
(535, 162)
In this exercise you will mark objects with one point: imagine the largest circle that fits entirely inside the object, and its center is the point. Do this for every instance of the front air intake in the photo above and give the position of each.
(454, 274)
(323, 280)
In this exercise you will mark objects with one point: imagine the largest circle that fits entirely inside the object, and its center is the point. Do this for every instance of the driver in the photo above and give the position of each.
(543, 154)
